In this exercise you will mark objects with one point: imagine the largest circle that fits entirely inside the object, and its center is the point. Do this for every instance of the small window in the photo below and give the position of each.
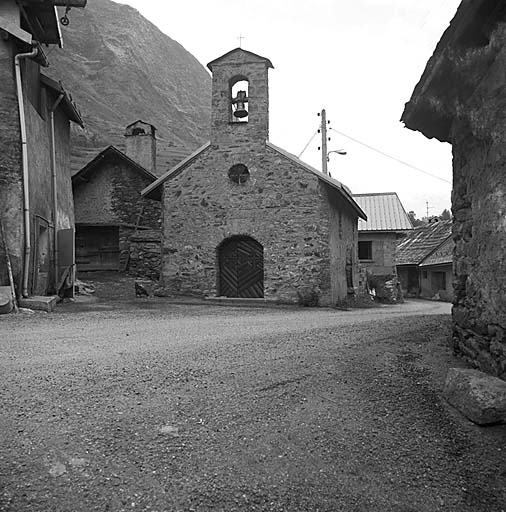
(238, 173)
(424, 274)
(365, 250)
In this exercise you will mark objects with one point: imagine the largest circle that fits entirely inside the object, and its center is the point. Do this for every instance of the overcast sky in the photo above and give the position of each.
(358, 59)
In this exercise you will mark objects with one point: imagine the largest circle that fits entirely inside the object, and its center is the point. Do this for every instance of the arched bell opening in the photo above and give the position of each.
(239, 99)
(241, 268)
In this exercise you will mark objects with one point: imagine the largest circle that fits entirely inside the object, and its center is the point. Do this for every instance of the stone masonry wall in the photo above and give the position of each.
(112, 197)
(283, 206)
(145, 254)
(11, 198)
(257, 127)
(383, 252)
(479, 230)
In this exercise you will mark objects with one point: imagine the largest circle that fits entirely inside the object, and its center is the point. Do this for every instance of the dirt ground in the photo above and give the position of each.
(142, 404)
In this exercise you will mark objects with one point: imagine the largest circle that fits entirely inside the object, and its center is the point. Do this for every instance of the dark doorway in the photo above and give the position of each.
(241, 263)
(97, 248)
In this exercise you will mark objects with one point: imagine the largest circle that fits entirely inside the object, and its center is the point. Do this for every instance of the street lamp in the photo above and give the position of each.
(338, 151)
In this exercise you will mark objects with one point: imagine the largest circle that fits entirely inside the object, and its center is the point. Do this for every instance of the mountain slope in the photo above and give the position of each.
(119, 68)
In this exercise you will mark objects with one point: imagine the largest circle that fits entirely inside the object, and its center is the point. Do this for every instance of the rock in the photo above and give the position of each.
(477, 395)
(144, 288)
(6, 303)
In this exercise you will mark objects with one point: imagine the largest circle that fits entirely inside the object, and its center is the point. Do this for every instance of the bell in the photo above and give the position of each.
(240, 101)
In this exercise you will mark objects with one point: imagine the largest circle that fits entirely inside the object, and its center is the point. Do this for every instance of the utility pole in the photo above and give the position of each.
(324, 141)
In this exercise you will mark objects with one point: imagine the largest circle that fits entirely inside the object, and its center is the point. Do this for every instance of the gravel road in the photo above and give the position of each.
(156, 406)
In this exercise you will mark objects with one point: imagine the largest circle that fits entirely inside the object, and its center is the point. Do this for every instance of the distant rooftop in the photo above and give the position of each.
(422, 241)
(442, 255)
(384, 212)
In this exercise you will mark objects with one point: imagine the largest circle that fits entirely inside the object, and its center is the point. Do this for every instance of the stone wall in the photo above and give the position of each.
(257, 127)
(383, 252)
(112, 196)
(283, 206)
(11, 185)
(145, 254)
(479, 230)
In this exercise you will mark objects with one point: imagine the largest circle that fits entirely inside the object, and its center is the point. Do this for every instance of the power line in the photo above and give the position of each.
(306, 146)
(390, 156)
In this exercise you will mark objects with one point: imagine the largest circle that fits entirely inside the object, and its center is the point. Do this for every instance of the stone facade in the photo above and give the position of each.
(378, 237)
(383, 247)
(306, 230)
(461, 99)
(145, 254)
(11, 179)
(305, 223)
(107, 194)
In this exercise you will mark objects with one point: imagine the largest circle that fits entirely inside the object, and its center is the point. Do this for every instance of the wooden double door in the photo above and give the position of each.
(241, 266)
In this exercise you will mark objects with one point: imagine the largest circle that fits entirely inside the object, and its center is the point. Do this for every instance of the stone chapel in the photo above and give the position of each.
(244, 218)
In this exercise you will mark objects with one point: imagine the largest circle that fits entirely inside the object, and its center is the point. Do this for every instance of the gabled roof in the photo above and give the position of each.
(153, 191)
(108, 154)
(238, 55)
(336, 185)
(137, 124)
(422, 241)
(442, 255)
(68, 106)
(384, 212)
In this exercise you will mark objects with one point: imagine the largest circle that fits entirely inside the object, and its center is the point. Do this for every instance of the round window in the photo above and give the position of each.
(238, 173)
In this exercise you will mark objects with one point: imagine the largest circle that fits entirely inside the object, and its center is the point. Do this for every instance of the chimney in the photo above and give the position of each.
(141, 144)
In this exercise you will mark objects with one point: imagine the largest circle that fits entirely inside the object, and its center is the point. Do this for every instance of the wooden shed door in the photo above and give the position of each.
(241, 262)
(97, 248)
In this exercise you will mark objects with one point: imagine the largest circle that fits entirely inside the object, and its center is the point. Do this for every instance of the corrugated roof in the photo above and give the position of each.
(384, 212)
(422, 241)
(442, 255)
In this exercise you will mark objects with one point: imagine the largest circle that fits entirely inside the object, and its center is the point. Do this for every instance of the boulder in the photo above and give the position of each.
(144, 288)
(477, 395)
(6, 302)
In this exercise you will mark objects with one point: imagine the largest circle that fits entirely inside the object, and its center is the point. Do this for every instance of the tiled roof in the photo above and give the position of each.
(422, 241)
(384, 212)
(442, 255)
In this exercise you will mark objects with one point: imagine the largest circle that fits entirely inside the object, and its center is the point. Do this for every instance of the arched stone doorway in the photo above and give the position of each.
(241, 268)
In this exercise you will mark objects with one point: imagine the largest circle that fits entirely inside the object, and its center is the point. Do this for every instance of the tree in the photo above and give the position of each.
(416, 222)
(445, 215)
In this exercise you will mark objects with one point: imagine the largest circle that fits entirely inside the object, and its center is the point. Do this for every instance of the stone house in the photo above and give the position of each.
(436, 280)
(378, 236)
(424, 261)
(111, 215)
(460, 99)
(244, 218)
(36, 206)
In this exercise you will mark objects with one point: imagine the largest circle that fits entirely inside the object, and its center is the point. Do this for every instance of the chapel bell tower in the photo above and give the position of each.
(240, 98)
